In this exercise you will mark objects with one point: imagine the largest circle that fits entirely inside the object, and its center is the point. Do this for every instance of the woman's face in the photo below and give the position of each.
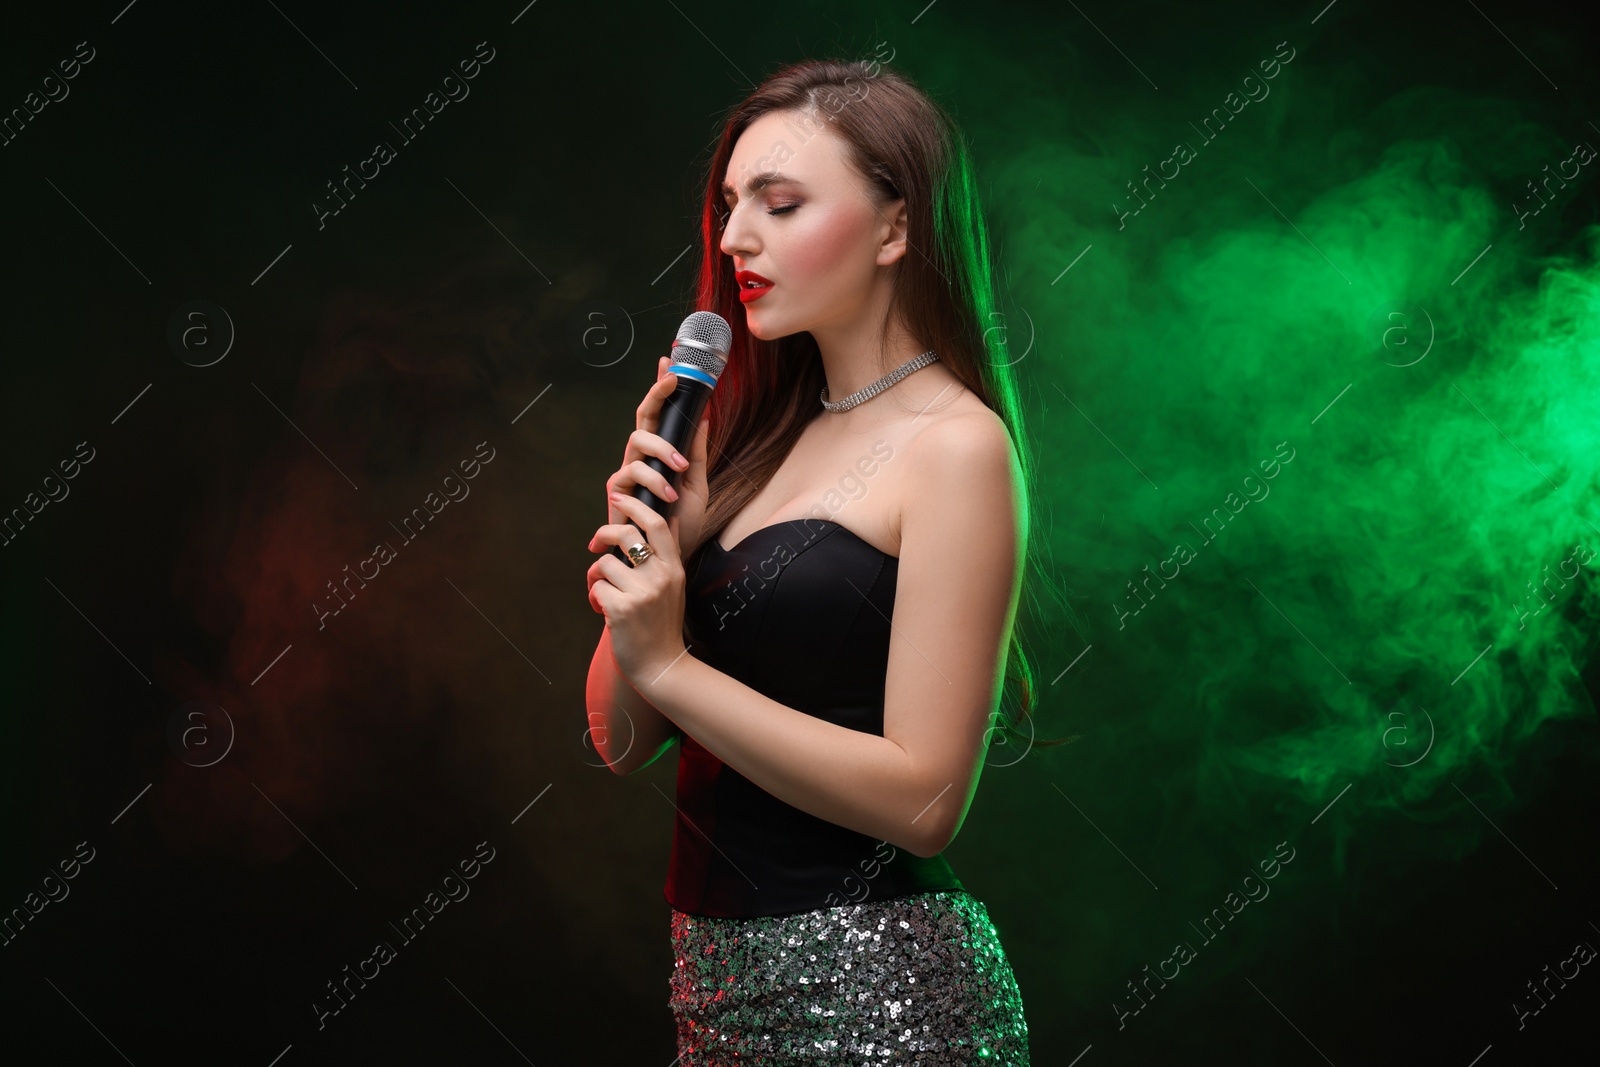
(816, 236)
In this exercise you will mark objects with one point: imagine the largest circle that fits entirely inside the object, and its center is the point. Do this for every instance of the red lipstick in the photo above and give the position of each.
(752, 286)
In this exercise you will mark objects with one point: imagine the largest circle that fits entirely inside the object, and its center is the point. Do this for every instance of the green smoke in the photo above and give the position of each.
(1392, 620)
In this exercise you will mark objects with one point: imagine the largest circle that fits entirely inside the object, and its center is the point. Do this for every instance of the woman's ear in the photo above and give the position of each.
(893, 225)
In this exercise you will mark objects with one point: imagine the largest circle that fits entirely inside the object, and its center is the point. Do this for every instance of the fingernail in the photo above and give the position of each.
(616, 496)
(679, 460)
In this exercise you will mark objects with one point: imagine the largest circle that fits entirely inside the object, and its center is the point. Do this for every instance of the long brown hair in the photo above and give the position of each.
(903, 144)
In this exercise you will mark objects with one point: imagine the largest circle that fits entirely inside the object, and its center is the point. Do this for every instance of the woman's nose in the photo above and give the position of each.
(736, 237)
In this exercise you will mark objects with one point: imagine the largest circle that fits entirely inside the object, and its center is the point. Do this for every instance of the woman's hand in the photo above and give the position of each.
(689, 499)
(643, 605)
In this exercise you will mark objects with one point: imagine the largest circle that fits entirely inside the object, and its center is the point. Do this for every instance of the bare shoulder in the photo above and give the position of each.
(968, 424)
(970, 441)
(964, 463)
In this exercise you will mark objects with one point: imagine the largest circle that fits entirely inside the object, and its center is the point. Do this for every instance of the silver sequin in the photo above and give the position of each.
(919, 980)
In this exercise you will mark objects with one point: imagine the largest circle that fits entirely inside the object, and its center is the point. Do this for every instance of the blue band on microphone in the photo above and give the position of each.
(689, 370)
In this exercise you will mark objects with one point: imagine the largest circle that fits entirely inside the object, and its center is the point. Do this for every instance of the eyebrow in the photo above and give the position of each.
(761, 181)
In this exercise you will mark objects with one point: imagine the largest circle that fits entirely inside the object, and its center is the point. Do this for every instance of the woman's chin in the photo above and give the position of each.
(766, 326)
(760, 326)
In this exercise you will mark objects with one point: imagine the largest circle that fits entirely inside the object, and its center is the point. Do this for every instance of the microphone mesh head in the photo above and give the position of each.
(703, 341)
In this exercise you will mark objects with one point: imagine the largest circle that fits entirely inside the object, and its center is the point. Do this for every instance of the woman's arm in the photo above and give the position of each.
(627, 732)
(956, 594)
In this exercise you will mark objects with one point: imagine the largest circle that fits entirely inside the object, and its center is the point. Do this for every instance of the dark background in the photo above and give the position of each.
(509, 279)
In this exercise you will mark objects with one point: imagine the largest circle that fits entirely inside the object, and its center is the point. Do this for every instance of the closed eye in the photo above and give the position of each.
(782, 210)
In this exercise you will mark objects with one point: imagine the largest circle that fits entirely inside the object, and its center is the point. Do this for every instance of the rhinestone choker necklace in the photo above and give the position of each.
(870, 391)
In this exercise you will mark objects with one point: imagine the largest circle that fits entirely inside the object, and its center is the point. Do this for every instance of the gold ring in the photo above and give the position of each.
(638, 553)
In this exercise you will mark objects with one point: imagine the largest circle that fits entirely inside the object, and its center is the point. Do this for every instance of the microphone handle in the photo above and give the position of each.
(680, 418)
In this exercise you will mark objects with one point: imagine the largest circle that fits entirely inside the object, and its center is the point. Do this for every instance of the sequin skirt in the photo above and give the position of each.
(919, 980)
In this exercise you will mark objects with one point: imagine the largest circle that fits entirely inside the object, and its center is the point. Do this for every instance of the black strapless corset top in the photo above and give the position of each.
(798, 611)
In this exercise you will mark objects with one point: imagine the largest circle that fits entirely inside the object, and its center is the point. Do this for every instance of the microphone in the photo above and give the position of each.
(699, 353)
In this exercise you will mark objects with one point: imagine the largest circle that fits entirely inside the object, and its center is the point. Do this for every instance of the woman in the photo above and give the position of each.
(824, 621)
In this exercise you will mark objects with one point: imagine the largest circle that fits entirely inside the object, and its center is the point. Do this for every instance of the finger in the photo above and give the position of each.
(653, 525)
(597, 578)
(599, 595)
(636, 472)
(650, 443)
(614, 571)
(648, 413)
(652, 479)
(620, 534)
